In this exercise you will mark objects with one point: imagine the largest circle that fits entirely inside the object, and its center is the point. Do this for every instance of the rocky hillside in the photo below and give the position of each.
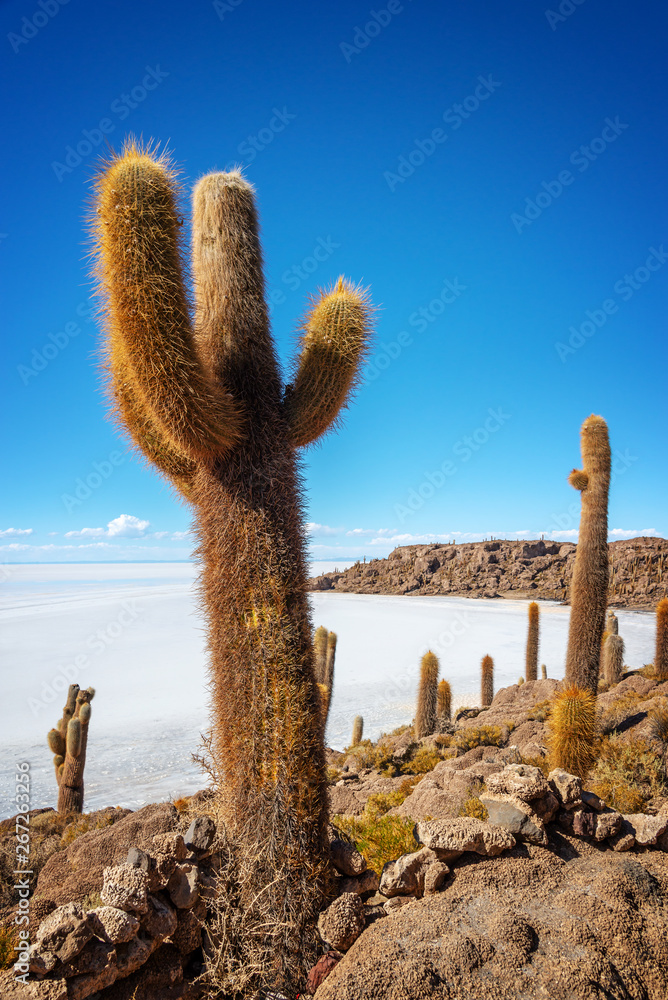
(535, 569)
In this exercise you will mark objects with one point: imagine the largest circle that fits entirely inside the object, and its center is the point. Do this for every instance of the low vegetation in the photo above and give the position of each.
(628, 773)
(379, 839)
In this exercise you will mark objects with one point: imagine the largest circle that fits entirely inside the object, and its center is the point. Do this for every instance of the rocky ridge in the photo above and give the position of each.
(533, 569)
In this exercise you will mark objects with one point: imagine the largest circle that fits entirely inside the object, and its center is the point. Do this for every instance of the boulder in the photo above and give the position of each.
(65, 932)
(516, 816)
(608, 824)
(346, 858)
(188, 934)
(567, 787)
(118, 925)
(321, 970)
(521, 780)
(647, 829)
(406, 875)
(200, 835)
(182, 887)
(364, 884)
(342, 922)
(451, 837)
(442, 792)
(125, 887)
(159, 921)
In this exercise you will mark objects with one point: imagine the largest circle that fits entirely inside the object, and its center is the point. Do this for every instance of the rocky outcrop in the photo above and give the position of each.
(533, 569)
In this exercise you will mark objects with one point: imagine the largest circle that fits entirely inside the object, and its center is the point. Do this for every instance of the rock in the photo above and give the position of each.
(546, 808)
(138, 859)
(515, 816)
(95, 957)
(567, 786)
(592, 800)
(584, 823)
(41, 962)
(342, 922)
(608, 824)
(321, 970)
(130, 956)
(366, 883)
(542, 925)
(406, 875)
(188, 934)
(65, 932)
(373, 913)
(625, 839)
(160, 920)
(200, 834)
(346, 858)
(118, 925)
(451, 837)
(125, 887)
(163, 970)
(81, 987)
(170, 844)
(647, 829)
(396, 903)
(521, 780)
(182, 887)
(434, 877)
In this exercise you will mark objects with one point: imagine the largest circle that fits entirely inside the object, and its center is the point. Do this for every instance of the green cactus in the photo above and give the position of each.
(358, 729)
(589, 586)
(68, 745)
(203, 400)
(425, 716)
(531, 671)
(443, 701)
(487, 681)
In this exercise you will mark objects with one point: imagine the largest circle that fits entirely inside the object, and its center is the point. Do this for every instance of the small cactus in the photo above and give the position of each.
(487, 682)
(443, 701)
(612, 623)
(661, 655)
(589, 587)
(320, 654)
(574, 736)
(68, 745)
(425, 717)
(531, 673)
(324, 655)
(613, 659)
(358, 729)
(543, 672)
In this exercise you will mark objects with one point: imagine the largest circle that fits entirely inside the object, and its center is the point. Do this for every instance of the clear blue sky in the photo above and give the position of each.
(493, 171)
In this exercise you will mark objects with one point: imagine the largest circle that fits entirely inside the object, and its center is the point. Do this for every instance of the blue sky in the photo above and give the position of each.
(494, 172)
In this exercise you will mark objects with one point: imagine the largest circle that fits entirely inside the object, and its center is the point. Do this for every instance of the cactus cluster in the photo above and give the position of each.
(613, 659)
(68, 742)
(202, 399)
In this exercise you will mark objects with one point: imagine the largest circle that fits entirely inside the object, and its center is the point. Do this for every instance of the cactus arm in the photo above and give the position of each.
(335, 337)
(137, 247)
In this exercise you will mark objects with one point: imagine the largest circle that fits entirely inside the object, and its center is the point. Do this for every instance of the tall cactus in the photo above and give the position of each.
(613, 659)
(203, 400)
(487, 681)
(425, 717)
(358, 730)
(68, 744)
(443, 701)
(661, 654)
(531, 672)
(589, 587)
(573, 731)
(320, 654)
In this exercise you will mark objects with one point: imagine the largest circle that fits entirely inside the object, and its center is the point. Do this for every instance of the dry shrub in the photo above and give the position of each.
(476, 736)
(540, 711)
(628, 774)
(380, 803)
(379, 840)
(627, 705)
(658, 716)
(8, 938)
(423, 761)
(472, 806)
(539, 761)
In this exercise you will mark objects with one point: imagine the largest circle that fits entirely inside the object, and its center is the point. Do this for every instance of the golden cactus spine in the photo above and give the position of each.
(613, 659)
(487, 681)
(531, 672)
(425, 716)
(661, 653)
(574, 736)
(358, 729)
(68, 743)
(589, 586)
(203, 400)
(443, 701)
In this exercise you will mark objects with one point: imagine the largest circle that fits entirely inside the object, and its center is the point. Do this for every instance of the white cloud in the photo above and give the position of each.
(633, 532)
(14, 532)
(312, 528)
(123, 526)
(178, 536)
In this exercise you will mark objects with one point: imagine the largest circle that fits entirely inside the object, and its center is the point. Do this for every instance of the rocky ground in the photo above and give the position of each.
(534, 569)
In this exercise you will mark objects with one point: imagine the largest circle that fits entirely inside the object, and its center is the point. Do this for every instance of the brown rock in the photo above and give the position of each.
(160, 919)
(434, 877)
(521, 780)
(125, 887)
(647, 829)
(568, 787)
(321, 970)
(608, 824)
(406, 875)
(364, 884)
(188, 934)
(118, 925)
(342, 922)
(450, 838)
(183, 886)
(346, 858)
(515, 816)
(65, 932)
(584, 823)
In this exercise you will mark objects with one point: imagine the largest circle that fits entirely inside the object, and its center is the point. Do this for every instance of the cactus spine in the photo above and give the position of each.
(613, 659)
(589, 587)
(203, 400)
(358, 729)
(443, 702)
(425, 717)
(661, 654)
(68, 745)
(574, 734)
(487, 682)
(531, 673)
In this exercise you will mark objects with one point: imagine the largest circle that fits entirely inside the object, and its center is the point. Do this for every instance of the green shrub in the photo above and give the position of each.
(476, 736)
(423, 761)
(379, 839)
(472, 806)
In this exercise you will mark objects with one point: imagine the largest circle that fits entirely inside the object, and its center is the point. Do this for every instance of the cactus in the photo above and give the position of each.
(425, 717)
(203, 401)
(661, 654)
(574, 737)
(612, 623)
(487, 682)
(320, 654)
(543, 672)
(324, 655)
(589, 587)
(531, 673)
(329, 661)
(443, 701)
(68, 745)
(613, 659)
(358, 729)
